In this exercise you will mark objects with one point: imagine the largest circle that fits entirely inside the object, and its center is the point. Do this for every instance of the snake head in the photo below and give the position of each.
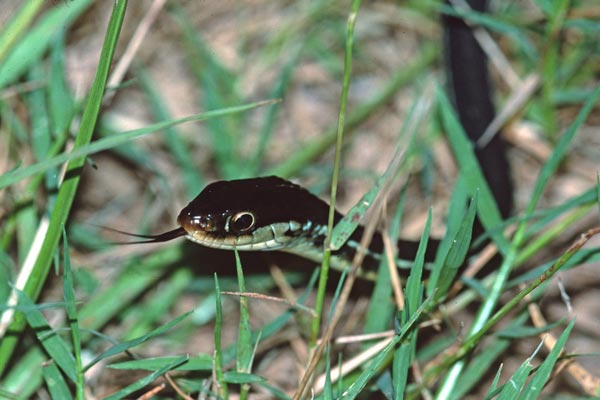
(250, 214)
(267, 213)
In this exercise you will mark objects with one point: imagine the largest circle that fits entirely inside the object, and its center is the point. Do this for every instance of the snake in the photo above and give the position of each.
(273, 214)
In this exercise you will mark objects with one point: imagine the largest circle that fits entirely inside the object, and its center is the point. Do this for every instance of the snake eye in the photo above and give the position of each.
(242, 221)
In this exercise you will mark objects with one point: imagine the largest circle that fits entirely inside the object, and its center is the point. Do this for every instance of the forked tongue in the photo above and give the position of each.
(161, 237)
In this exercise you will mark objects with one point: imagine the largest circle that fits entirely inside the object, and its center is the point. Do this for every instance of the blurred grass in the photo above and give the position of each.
(114, 300)
(66, 194)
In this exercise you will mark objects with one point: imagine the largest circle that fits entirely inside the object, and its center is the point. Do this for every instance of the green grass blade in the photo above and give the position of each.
(55, 382)
(482, 362)
(536, 384)
(381, 310)
(560, 151)
(475, 336)
(145, 381)
(122, 347)
(458, 251)
(217, 363)
(339, 137)
(487, 210)
(199, 362)
(414, 283)
(348, 224)
(52, 343)
(276, 393)
(38, 38)
(275, 325)
(547, 236)
(36, 103)
(483, 321)
(489, 216)
(455, 213)
(67, 191)
(550, 61)
(61, 104)
(164, 300)
(5, 394)
(17, 24)
(138, 276)
(242, 378)
(404, 354)
(6, 276)
(115, 140)
(516, 382)
(520, 332)
(359, 383)
(71, 308)
(492, 390)
(548, 215)
(25, 375)
(403, 357)
(245, 350)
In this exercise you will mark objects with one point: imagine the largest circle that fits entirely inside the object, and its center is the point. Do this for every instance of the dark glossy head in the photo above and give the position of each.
(243, 213)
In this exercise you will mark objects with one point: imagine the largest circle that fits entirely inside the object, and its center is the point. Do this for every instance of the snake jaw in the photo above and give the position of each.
(276, 236)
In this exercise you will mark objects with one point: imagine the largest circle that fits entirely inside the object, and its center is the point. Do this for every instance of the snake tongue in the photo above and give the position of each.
(161, 237)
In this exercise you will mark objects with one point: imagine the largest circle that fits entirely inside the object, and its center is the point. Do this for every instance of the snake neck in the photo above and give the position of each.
(310, 244)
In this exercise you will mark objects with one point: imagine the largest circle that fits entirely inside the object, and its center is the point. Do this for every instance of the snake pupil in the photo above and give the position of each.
(242, 221)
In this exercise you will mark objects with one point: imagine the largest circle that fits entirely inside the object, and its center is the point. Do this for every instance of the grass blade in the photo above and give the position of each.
(61, 103)
(122, 347)
(145, 381)
(55, 382)
(381, 310)
(201, 362)
(245, 350)
(52, 343)
(515, 384)
(67, 191)
(339, 137)
(25, 376)
(37, 39)
(71, 308)
(115, 140)
(487, 210)
(217, 362)
(458, 251)
(356, 387)
(535, 386)
(242, 378)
